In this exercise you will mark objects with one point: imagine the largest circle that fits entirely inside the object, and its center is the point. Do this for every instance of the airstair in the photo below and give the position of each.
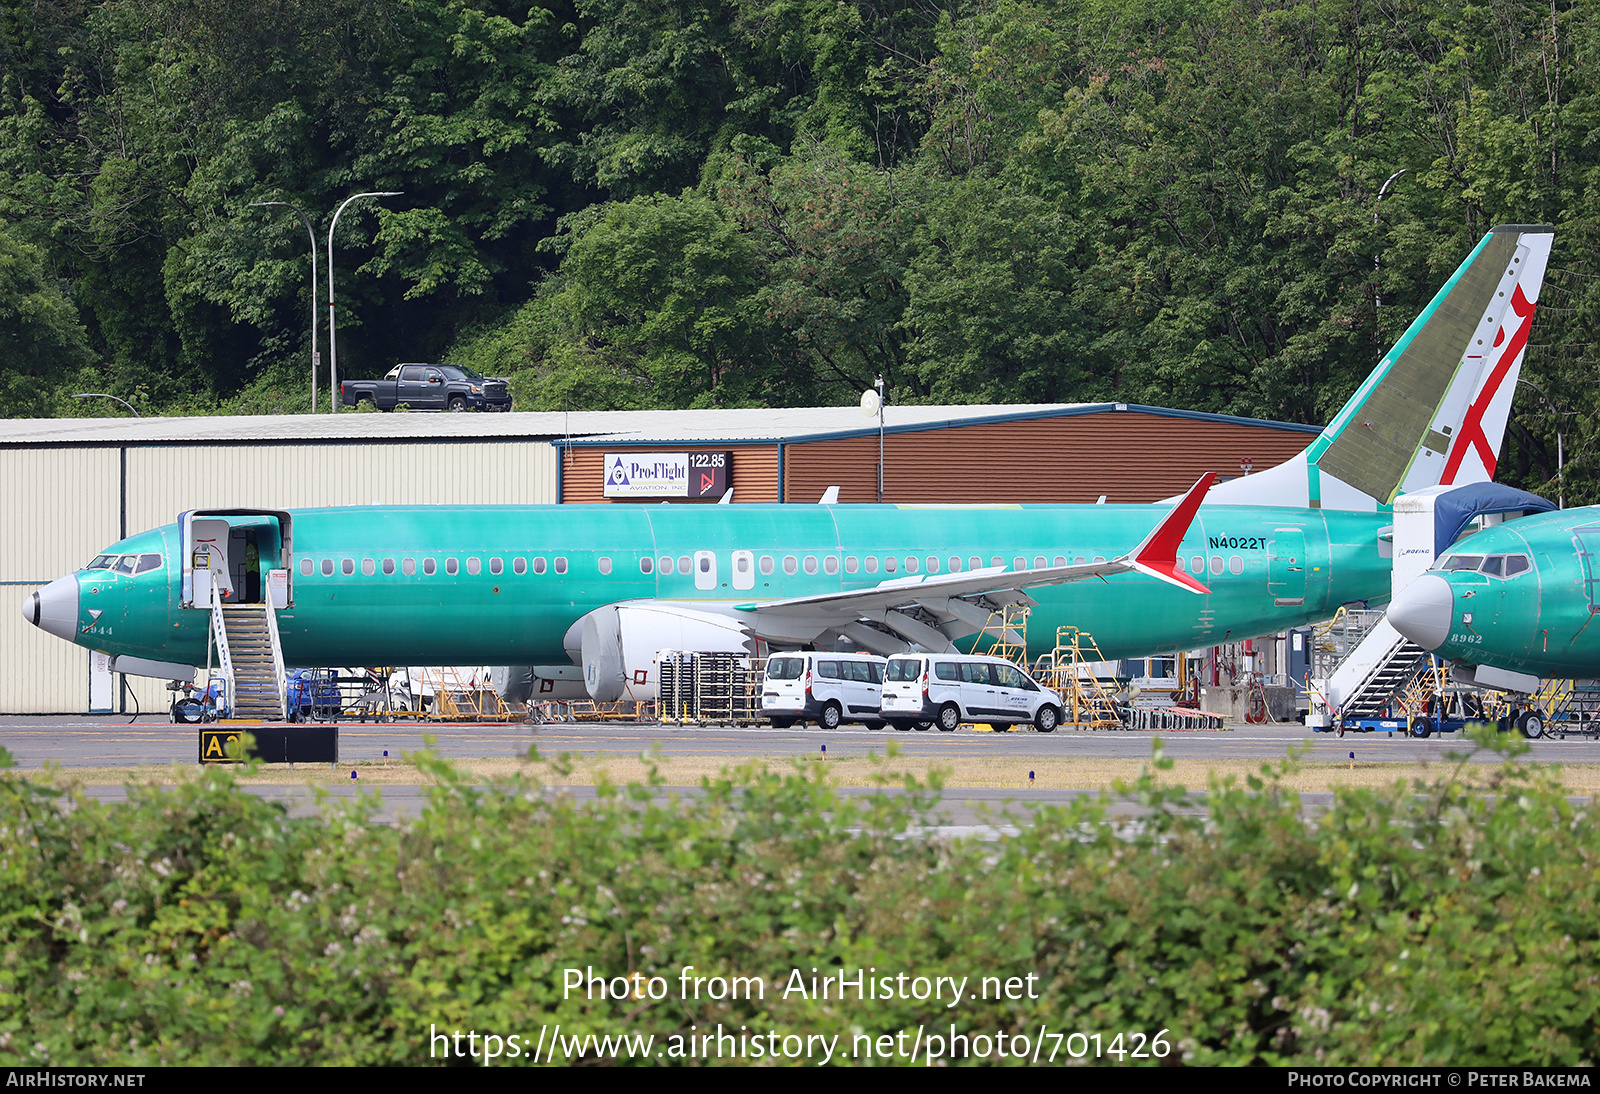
(1075, 668)
(1375, 673)
(250, 658)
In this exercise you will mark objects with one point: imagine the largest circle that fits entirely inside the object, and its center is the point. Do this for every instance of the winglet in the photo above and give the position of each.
(1157, 555)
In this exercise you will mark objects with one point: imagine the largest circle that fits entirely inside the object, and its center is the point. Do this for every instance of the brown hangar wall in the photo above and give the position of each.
(753, 473)
(1127, 456)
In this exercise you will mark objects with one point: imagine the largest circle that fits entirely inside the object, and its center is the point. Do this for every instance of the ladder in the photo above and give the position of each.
(1380, 668)
(251, 659)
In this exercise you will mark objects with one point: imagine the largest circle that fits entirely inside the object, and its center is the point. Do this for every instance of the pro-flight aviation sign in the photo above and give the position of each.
(667, 474)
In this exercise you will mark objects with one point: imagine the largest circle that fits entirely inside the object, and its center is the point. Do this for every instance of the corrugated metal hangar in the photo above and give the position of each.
(74, 486)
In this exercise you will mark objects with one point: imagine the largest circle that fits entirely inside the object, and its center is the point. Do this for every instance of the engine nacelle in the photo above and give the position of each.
(617, 644)
(538, 683)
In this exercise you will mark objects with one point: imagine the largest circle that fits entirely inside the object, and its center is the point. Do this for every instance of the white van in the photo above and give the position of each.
(825, 688)
(948, 689)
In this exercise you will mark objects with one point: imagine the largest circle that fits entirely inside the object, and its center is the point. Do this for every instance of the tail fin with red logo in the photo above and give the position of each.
(1434, 410)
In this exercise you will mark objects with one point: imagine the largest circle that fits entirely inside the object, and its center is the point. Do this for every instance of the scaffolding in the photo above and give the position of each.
(710, 688)
(1074, 668)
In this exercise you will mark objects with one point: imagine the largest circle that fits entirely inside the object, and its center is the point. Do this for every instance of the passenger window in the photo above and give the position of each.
(388, 566)
(1236, 565)
(1197, 565)
(705, 564)
(646, 564)
(974, 563)
(496, 566)
(810, 564)
(683, 565)
(955, 565)
(828, 670)
(1019, 563)
(473, 565)
(538, 565)
(1059, 560)
(997, 561)
(1039, 562)
(1216, 564)
(933, 565)
(872, 564)
(409, 567)
(306, 567)
(947, 670)
(605, 565)
(561, 564)
(830, 564)
(368, 567)
(519, 565)
(327, 567)
(666, 564)
(911, 565)
(428, 567)
(452, 567)
(876, 673)
(348, 566)
(975, 674)
(790, 565)
(851, 565)
(890, 564)
(766, 564)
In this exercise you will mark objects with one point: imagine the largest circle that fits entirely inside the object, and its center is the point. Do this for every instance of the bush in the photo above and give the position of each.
(1448, 923)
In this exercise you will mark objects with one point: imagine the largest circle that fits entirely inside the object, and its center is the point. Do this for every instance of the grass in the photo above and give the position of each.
(1009, 773)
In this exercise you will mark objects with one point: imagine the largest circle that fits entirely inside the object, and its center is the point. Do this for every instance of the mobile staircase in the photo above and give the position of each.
(250, 658)
(1364, 691)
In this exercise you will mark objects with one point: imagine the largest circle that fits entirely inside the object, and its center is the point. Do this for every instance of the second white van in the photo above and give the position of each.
(826, 688)
(948, 689)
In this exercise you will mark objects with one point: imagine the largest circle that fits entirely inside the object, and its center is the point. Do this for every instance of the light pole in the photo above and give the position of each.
(316, 358)
(872, 403)
(113, 398)
(1377, 262)
(333, 345)
(1561, 457)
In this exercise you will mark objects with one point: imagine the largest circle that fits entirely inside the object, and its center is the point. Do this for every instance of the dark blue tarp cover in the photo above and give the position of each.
(1454, 510)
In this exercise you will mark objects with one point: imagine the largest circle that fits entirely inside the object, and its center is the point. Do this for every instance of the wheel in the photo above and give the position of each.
(1421, 727)
(458, 404)
(831, 716)
(1531, 723)
(901, 727)
(921, 726)
(1000, 727)
(873, 725)
(949, 717)
(1047, 719)
(188, 711)
(782, 723)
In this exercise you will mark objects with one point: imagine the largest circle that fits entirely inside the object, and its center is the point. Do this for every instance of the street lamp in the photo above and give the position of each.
(316, 358)
(1377, 261)
(113, 398)
(1561, 457)
(872, 404)
(333, 346)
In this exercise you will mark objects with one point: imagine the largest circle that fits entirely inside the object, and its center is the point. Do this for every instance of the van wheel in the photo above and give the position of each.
(901, 727)
(1047, 719)
(873, 725)
(782, 723)
(831, 716)
(949, 718)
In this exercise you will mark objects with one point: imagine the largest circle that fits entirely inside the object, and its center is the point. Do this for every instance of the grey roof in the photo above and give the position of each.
(607, 426)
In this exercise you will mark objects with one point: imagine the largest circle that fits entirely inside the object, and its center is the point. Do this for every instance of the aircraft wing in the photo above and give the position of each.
(928, 610)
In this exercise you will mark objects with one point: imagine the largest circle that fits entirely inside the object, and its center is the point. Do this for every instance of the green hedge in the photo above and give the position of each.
(1447, 923)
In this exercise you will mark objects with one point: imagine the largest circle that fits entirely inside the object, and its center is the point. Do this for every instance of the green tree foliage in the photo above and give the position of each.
(1199, 203)
(41, 340)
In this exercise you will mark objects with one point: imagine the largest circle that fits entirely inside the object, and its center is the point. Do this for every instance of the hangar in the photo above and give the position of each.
(72, 486)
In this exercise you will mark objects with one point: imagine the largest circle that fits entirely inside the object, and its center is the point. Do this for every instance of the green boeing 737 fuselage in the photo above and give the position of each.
(502, 585)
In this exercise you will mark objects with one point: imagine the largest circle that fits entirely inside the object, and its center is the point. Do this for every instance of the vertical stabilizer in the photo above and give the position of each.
(1434, 411)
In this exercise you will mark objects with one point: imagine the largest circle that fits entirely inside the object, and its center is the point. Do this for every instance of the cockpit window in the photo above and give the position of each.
(126, 564)
(1517, 564)
(148, 563)
(101, 562)
(1493, 565)
(1489, 565)
(1463, 562)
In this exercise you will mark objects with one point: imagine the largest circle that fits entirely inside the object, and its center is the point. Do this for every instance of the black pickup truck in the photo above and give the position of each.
(428, 387)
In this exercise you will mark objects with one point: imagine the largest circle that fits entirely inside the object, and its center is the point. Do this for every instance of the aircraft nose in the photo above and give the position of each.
(54, 608)
(1424, 610)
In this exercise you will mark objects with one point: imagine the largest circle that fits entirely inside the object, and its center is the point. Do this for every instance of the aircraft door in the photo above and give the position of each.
(210, 561)
(1286, 570)
(744, 570)
(705, 570)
